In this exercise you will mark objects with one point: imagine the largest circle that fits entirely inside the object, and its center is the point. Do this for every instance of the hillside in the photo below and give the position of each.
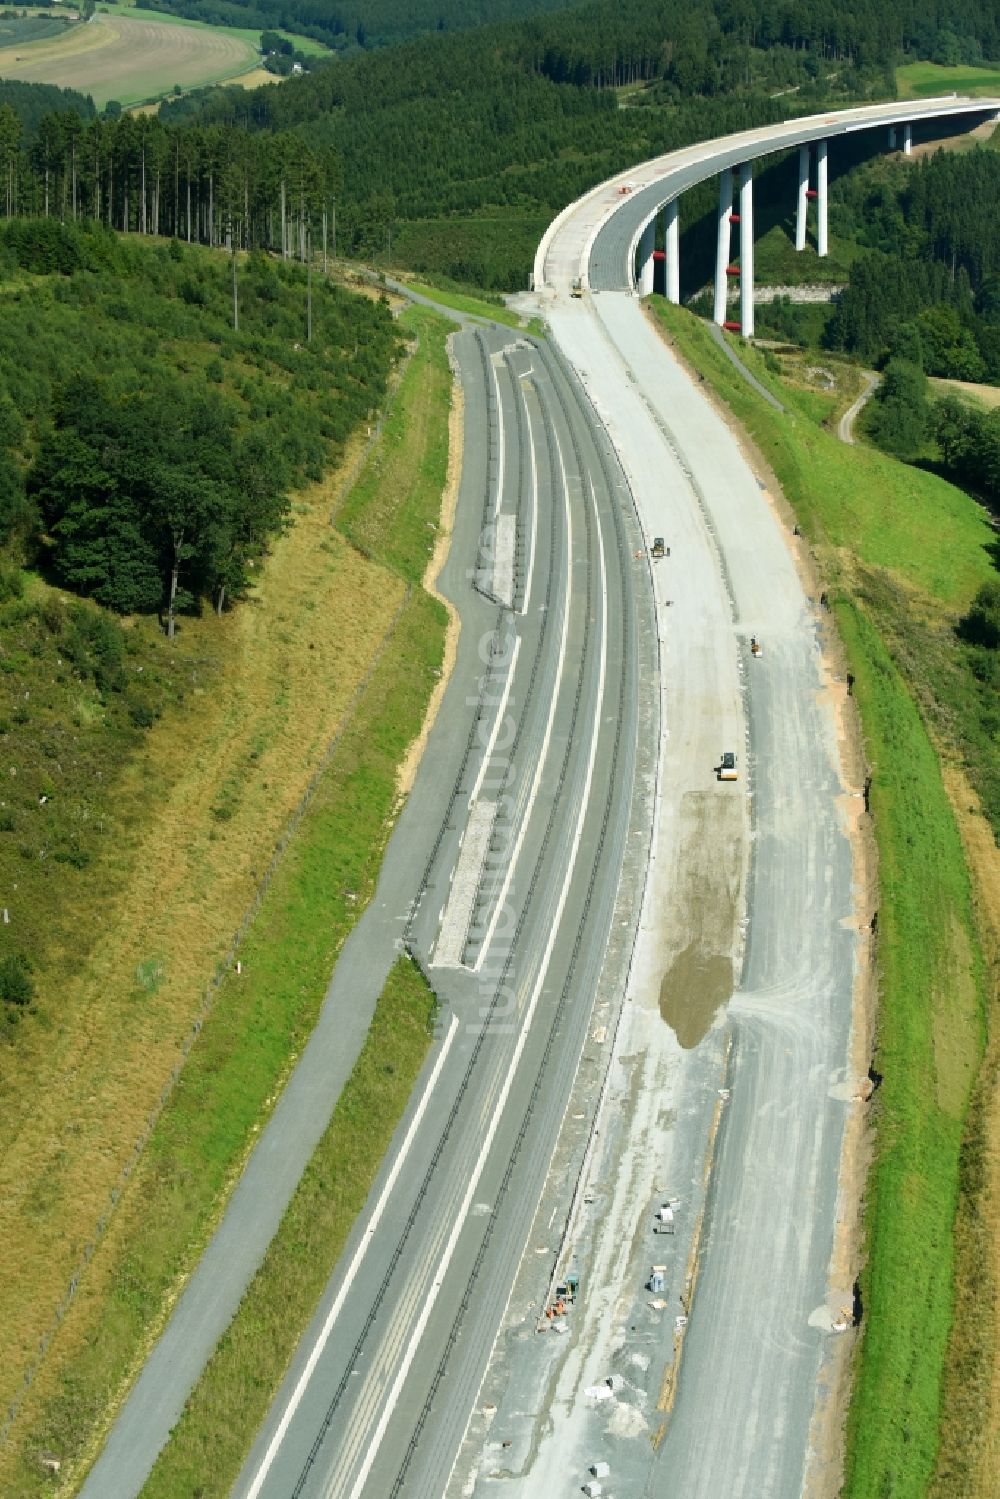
(121, 377)
(153, 785)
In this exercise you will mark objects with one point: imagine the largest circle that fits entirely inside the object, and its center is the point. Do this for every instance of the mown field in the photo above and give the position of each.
(902, 553)
(133, 57)
(923, 80)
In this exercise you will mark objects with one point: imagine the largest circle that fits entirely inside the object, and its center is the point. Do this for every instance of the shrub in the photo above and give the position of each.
(16, 986)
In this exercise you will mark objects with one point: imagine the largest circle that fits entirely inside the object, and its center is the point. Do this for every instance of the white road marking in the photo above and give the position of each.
(540, 765)
(522, 1040)
(499, 498)
(501, 711)
(534, 501)
(359, 1253)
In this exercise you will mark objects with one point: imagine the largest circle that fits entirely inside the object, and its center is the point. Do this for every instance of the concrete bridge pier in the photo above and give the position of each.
(746, 249)
(672, 246)
(907, 138)
(723, 244)
(802, 205)
(647, 244)
(822, 240)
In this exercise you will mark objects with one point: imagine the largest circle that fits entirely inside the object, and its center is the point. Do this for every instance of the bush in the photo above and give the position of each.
(16, 986)
(981, 626)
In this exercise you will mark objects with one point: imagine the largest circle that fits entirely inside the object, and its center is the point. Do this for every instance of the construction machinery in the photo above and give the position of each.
(756, 649)
(726, 770)
(576, 287)
(659, 550)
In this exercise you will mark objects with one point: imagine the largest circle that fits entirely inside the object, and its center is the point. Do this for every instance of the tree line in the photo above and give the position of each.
(148, 445)
(928, 290)
(213, 185)
(603, 44)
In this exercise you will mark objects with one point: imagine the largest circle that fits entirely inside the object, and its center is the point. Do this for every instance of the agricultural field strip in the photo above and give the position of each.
(131, 58)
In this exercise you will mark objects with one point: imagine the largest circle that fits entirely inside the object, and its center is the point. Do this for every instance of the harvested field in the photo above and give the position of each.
(131, 58)
(969, 391)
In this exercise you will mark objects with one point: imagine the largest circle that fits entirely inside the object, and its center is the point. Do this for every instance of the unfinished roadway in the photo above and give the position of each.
(732, 1080)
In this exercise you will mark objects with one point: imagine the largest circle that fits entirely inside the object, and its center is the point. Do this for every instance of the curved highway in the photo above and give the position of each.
(596, 237)
(566, 791)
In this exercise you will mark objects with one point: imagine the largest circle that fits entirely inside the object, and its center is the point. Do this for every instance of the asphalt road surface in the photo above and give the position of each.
(502, 876)
(512, 924)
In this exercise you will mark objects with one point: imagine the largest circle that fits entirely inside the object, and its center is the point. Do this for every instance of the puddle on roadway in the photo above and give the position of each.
(698, 927)
(692, 990)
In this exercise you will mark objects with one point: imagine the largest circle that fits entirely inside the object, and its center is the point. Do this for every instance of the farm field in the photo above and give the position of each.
(133, 57)
(922, 80)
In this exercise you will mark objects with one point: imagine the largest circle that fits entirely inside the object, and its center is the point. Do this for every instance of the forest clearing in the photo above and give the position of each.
(133, 58)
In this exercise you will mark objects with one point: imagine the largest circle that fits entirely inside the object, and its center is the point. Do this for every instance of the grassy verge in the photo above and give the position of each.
(260, 1019)
(231, 1399)
(461, 301)
(850, 500)
(929, 1044)
(391, 512)
(903, 553)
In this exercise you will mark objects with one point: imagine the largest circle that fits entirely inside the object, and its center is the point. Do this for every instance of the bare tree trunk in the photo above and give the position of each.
(221, 600)
(236, 300)
(189, 203)
(284, 221)
(309, 295)
(142, 189)
(174, 576)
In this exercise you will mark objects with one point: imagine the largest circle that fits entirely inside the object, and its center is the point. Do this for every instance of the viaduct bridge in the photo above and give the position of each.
(607, 239)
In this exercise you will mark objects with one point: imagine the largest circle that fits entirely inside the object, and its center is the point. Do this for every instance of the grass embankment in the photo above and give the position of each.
(929, 1042)
(372, 629)
(902, 552)
(221, 1418)
(489, 309)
